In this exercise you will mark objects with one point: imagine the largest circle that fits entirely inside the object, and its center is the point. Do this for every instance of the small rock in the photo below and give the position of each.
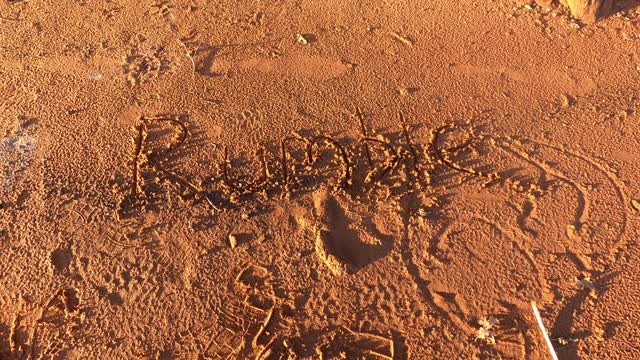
(565, 341)
(588, 10)
(301, 40)
(305, 39)
(233, 241)
(348, 64)
(407, 91)
(567, 100)
(636, 204)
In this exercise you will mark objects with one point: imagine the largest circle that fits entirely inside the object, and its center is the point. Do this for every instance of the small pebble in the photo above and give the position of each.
(566, 100)
(422, 211)
(233, 241)
(301, 39)
(406, 91)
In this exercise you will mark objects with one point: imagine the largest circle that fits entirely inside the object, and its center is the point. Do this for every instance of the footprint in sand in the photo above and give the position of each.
(338, 244)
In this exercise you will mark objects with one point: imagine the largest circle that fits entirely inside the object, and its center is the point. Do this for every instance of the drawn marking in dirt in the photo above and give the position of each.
(521, 248)
(293, 174)
(302, 169)
(416, 168)
(145, 155)
(298, 165)
(584, 203)
(363, 133)
(450, 310)
(414, 269)
(615, 183)
(444, 155)
(241, 187)
(447, 307)
(584, 211)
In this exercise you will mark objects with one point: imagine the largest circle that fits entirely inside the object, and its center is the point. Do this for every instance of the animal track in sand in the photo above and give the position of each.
(141, 66)
(163, 8)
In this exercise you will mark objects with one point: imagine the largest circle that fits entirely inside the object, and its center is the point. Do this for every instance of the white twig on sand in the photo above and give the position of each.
(403, 39)
(536, 313)
(190, 56)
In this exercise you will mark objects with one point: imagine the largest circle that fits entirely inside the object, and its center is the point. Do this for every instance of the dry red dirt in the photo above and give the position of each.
(317, 180)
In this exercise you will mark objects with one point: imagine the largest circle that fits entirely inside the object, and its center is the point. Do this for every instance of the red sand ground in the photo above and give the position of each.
(125, 231)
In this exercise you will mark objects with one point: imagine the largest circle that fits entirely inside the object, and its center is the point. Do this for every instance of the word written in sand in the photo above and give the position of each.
(392, 165)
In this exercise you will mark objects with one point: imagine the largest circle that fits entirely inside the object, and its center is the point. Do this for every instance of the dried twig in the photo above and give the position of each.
(403, 39)
(190, 56)
(138, 143)
(263, 327)
(266, 351)
(536, 313)
(206, 197)
(12, 333)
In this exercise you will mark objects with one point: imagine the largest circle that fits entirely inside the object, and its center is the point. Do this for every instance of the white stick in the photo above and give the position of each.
(190, 56)
(536, 313)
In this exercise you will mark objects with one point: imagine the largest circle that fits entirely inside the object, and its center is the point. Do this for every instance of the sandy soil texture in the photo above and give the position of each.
(191, 179)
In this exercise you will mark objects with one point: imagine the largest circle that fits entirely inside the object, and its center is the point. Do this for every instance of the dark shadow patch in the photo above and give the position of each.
(61, 259)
